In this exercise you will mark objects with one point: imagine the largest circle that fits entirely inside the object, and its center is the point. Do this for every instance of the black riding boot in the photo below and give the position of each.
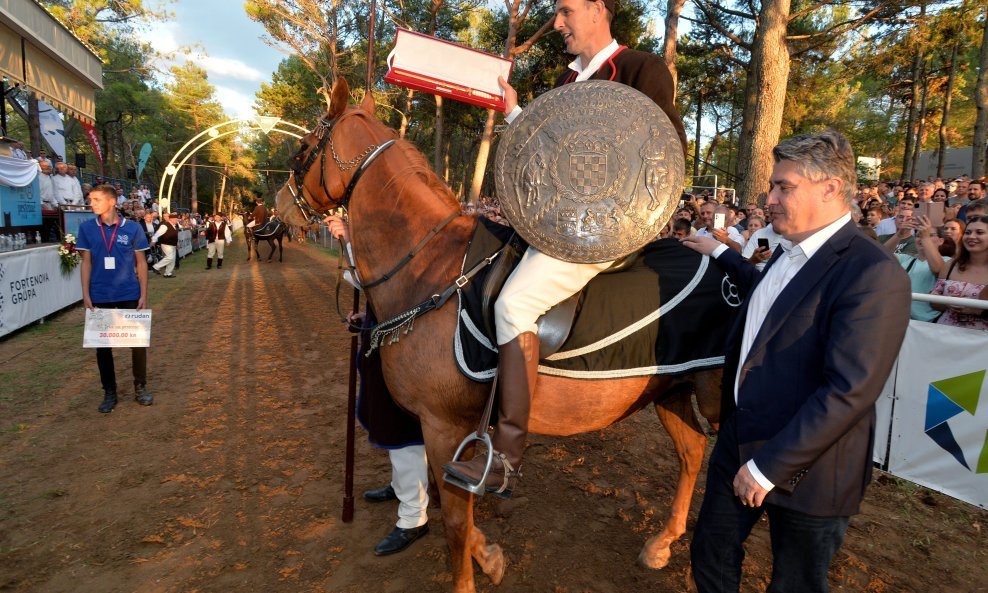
(209, 263)
(219, 263)
(518, 366)
(142, 395)
(109, 401)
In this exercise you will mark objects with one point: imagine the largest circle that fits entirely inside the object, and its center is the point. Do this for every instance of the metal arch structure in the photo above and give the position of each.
(257, 123)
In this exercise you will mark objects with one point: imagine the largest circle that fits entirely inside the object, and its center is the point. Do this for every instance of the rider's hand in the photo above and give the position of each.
(510, 94)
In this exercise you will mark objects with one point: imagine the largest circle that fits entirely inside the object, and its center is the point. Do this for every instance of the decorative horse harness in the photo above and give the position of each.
(392, 327)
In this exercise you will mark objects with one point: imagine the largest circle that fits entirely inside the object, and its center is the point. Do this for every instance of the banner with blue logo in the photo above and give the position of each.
(20, 206)
(939, 413)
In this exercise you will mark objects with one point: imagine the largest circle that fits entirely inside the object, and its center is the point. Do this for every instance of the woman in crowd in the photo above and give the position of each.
(940, 195)
(755, 223)
(952, 229)
(966, 276)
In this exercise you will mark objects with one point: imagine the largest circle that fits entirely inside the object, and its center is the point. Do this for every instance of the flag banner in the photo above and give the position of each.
(93, 138)
(143, 159)
(52, 128)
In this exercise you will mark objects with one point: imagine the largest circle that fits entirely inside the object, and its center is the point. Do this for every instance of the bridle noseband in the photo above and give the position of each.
(300, 169)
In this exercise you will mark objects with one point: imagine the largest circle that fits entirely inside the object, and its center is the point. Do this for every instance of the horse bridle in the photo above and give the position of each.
(299, 168)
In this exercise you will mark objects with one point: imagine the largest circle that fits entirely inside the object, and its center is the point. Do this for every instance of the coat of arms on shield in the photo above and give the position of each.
(588, 166)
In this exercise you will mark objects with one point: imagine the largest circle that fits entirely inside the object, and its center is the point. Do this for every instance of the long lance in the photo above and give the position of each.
(351, 407)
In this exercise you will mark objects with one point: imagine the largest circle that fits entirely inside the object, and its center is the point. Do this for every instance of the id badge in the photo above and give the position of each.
(109, 263)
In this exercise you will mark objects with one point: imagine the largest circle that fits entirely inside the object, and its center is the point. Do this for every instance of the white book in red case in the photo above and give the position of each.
(440, 67)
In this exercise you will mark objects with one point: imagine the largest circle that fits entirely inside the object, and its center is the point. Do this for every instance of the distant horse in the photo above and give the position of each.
(398, 200)
(273, 230)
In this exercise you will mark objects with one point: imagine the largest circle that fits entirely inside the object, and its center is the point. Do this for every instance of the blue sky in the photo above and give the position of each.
(231, 50)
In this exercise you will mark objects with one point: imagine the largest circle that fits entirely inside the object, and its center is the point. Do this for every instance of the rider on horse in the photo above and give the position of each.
(541, 281)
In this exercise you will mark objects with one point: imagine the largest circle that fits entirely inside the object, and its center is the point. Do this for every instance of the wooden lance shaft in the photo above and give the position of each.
(351, 408)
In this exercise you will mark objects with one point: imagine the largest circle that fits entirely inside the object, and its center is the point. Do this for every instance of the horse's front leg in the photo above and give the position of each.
(465, 541)
(678, 418)
(281, 249)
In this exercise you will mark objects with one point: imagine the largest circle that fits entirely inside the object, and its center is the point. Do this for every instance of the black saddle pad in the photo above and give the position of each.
(629, 323)
(269, 229)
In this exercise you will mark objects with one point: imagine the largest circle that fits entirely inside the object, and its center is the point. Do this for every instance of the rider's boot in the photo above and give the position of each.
(219, 263)
(518, 365)
(209, 263)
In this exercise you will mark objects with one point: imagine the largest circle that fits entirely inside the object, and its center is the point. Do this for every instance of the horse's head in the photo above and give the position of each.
(323, 169)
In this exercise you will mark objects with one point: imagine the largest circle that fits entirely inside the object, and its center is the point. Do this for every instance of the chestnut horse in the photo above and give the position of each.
(395, 204)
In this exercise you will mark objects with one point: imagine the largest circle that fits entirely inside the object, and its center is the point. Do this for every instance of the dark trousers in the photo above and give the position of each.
(802, 545)
(104, 356)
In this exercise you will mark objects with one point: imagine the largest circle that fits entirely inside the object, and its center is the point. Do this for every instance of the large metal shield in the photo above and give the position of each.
(590, 171)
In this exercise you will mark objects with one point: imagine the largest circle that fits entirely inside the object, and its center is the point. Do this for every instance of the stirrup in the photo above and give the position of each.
(476, 489)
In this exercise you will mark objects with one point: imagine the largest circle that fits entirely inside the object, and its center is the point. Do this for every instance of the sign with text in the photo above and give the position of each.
(117, 328)
(21, 206)
(33, 286)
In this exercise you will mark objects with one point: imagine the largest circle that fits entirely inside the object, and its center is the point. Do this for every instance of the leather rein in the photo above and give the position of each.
(361, 163)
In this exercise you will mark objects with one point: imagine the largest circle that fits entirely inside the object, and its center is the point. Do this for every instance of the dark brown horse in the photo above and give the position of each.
(397, 201)
(274, 230)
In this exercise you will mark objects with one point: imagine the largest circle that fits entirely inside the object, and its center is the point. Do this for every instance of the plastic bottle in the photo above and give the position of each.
(37, 237)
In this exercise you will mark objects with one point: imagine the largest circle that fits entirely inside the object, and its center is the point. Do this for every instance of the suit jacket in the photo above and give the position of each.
(807, 390)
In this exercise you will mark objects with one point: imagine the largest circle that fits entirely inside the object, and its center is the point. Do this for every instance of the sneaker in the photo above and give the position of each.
(168, 276)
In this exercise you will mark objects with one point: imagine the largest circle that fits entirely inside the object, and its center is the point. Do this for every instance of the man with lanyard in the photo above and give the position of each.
(217, 236)
(541, 281)
(167, 237)
(114, 277)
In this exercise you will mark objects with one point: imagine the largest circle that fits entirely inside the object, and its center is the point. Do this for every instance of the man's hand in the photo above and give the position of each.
(337, 227)
(704, 245)
(720, 234)
(747, 489)
(142, 302)
(760, 255)
(510, 94)
(88, 303)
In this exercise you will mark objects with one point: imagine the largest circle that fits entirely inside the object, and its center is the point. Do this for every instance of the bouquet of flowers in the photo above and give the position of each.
(69, 257)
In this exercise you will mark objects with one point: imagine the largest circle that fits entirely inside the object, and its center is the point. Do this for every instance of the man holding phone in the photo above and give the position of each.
(714, 219)
(762, 243)
(903, 240)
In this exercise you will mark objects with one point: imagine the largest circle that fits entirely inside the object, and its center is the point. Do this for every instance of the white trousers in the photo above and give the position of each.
(215, 249)
(410, 479)
(167, 262)
(538, 283)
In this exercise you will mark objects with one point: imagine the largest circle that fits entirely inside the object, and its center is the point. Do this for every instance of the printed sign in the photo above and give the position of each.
(21, 206)
(117, 328)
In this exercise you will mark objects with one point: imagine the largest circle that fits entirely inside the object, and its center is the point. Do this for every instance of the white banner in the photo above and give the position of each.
(940, 416)
(32, 286)
(52, 128)
(184, 243)
(17, 172)
(117, 328)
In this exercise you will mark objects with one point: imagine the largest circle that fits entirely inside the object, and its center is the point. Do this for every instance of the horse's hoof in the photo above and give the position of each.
(495, 570)
(655, 559)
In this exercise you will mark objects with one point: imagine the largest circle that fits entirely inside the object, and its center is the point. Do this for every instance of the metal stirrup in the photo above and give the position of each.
(485, 438)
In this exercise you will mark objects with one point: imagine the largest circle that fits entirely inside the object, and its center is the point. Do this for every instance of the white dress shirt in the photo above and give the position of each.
(62, 185)
(581, 73)
(765, 294)
(732, 234)
(47, 192)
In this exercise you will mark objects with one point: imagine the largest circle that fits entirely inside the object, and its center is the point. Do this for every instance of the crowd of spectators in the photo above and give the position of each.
(937, 228)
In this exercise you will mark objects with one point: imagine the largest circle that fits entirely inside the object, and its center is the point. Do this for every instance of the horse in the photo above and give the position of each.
(397, 202)
(273, 230)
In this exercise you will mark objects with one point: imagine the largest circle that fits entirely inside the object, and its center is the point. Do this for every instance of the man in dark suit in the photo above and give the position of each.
(801, 376)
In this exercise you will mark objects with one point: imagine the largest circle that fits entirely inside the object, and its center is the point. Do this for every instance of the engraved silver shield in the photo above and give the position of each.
(590, 171)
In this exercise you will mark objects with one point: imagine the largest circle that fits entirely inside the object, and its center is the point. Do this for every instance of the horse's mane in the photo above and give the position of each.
(421, 168)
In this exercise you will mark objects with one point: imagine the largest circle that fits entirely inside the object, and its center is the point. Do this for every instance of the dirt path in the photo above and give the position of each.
(232, 481)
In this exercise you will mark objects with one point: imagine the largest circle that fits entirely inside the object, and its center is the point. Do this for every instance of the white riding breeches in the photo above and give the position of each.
(410, 479)
(215, 249)
(538, 283)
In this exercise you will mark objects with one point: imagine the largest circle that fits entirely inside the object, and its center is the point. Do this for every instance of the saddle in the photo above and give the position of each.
(269, 229)
(612, 327)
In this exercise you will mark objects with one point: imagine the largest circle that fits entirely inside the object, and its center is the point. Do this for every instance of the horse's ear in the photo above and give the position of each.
(340, 97)
(367, 105)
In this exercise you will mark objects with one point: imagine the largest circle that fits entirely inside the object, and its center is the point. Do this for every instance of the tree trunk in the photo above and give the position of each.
(921, 129)
(907, 155)
(710, 150)
(978, 160)
(673, 9)
(946, 109)
(437, 153)
(34, 124)
(696, 143)
(193, 192)
(406, 115)
(765, 97)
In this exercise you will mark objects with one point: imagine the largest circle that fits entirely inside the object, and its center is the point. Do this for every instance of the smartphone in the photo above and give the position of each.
(933, 211)
(682, 203)
(719, 219)
(763, 243)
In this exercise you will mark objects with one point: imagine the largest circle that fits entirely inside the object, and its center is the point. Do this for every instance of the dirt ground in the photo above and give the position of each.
(233, 480)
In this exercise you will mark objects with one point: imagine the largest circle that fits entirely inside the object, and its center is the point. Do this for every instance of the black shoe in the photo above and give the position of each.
(381, 494)
(219, 263)
(399, 539)
(155, 270)
(142, 396)
(109, 401)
